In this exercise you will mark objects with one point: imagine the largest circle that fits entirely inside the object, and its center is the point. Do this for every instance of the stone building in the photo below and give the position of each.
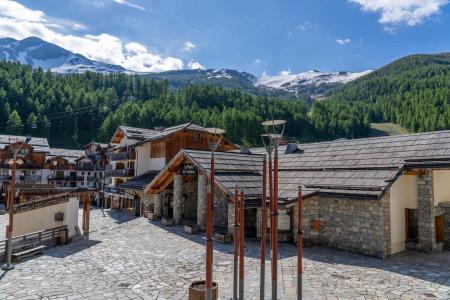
(377, 196)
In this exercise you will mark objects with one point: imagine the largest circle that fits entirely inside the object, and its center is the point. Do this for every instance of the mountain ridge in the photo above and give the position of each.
(39, 53)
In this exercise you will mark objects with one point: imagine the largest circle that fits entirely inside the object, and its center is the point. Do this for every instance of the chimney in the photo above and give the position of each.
(293, 148)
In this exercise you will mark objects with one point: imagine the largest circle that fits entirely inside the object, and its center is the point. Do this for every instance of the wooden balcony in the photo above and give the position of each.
(120, 173)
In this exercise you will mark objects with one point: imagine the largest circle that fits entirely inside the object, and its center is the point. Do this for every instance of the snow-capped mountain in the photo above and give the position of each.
(39, 53)
(292, 82)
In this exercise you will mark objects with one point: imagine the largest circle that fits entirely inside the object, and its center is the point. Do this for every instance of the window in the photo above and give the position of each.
(412, 225)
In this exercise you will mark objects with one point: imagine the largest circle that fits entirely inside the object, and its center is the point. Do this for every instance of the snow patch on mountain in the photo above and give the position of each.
(288, 81)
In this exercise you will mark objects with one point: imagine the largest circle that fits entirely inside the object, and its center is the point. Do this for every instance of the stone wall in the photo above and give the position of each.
(221, 209)
(190, 192)
(356, 225)
(427, 240)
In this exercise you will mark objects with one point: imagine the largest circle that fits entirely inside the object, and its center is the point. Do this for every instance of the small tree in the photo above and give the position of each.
(14, 124)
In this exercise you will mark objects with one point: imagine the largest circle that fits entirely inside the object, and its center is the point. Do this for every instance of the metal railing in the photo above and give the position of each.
(34, 239)
(122, 156)
(120, 173)
(65, 177)
(89, 168)
(30, 177)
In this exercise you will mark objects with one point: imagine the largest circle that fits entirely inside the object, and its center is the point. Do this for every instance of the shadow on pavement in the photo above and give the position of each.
(252, 245)
(433, 268)
(72, 248)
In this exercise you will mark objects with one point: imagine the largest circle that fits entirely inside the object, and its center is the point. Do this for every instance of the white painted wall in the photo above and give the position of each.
(44, 218)
(403, 194)
(143, 158)
(157, 163)
(441, 186)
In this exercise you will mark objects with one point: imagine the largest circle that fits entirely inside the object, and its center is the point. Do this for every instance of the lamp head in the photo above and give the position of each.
(217, 131)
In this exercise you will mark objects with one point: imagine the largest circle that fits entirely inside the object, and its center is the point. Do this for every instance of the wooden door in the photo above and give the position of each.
(440, 228)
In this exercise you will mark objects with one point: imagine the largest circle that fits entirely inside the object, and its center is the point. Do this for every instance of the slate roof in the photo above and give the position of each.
(361, 168)
(138, 133)
(171, 130)
(37, 143)
(69, 155)
(139, 182)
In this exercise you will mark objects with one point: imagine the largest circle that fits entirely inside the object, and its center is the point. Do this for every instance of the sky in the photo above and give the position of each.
(257, 36)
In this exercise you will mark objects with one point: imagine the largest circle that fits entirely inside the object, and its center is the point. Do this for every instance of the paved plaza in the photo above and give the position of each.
(133, 258)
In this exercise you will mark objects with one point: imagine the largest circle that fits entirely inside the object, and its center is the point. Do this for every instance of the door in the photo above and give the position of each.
(440, 228)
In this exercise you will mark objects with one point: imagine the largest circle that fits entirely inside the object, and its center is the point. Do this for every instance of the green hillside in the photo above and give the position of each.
(413, 92)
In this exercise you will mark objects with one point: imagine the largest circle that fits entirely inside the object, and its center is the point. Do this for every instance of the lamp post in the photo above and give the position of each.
(274, 133)
(14, 162)
(299, 244)
(213, 145)
(262, 276)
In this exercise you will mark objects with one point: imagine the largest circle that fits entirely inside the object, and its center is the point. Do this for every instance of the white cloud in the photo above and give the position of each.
(189, 46)
(343, 42)
(129, 4)
(195, 65)
(18, 21)
(395, 12)
(285, 72)
(257, 61)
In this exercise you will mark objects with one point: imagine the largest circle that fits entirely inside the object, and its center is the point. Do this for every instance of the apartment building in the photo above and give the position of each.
(140, 154)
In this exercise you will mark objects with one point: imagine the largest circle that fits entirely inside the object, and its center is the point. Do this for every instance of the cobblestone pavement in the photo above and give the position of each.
(132, 258)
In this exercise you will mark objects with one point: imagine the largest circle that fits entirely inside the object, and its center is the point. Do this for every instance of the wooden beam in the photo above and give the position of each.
(417, 172)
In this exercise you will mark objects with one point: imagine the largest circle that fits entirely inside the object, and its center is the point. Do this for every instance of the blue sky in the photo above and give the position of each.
(248, 35)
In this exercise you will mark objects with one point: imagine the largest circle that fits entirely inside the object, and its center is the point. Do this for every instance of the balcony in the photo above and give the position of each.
(122, 156)
(33, 178)
(5, 177)
(89, 168)
(120, 173)
(65, 177)
(92, 178)
(62, 167)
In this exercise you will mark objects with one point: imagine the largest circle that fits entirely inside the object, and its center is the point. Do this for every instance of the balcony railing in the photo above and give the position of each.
(5, 177)
(89, 168)
(122, 156)
(30, 177)
(62, 167)
(32, 166)
(120, 173)
(65, 177)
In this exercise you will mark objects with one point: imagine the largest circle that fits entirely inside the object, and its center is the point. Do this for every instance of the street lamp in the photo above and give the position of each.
(14, 162)
(274, 133)
(217, 135)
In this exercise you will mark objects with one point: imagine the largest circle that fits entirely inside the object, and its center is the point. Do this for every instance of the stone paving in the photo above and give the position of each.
(132, 258)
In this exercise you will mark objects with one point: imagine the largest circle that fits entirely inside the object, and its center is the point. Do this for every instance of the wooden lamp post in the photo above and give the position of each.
(14, 162)
(272, 138)
(213, 145)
